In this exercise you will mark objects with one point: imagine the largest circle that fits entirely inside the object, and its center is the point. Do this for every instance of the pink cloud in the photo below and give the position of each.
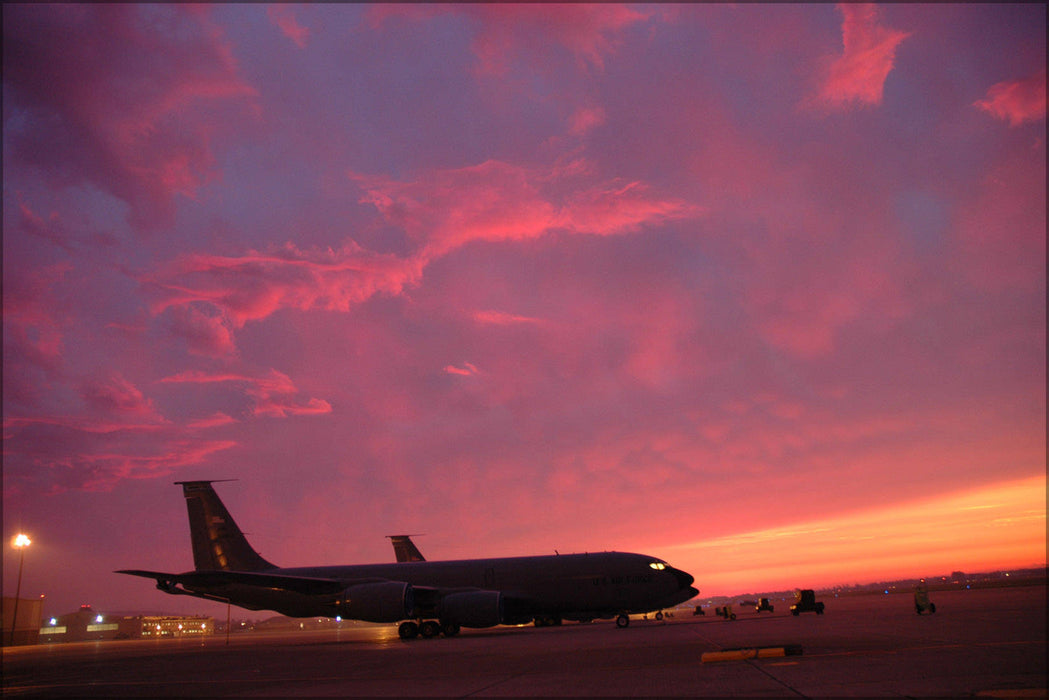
(92, 424)
(102, 470)
(50, 229)
(446, 209)
(441, 212)
(115, 394)
(283, 16)
(282, 407)
(506, 30)
(467, 370)
(586, 118)
(620, 208)
(501, 318)
(497, 201)
(109, 443)
(273, 393)
(1016, 101)
(255, 285)
(858, 75)
(33, 326)
(216, 420)
(204, 334)
(128, 126)
(588, 31)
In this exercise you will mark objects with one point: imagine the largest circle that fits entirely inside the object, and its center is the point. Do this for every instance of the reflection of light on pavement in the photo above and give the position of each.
(387, 636)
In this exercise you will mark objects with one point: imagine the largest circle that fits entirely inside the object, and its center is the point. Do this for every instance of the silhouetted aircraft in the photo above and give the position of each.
(426, 597)
(405, 549)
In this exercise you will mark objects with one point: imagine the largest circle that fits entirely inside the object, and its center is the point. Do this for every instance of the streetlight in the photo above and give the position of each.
(21, 542)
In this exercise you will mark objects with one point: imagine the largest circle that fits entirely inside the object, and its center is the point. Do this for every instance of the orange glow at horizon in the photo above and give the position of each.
(1000, 526)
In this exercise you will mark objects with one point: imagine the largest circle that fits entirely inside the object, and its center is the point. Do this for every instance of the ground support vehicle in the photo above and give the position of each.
(805, 601)
(725, 612)
(922, 604)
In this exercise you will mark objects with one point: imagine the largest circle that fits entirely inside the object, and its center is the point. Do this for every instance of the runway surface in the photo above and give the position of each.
(979, 643)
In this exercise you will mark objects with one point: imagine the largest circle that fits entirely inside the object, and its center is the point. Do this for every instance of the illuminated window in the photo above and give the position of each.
(658, 565)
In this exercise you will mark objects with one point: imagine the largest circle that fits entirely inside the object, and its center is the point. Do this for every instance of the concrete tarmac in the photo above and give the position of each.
(978, 643)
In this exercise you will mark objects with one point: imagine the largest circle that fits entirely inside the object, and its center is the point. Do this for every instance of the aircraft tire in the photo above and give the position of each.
(449, 629)
(659, 616)
(623, 621)
(408, 630)
(429, 629)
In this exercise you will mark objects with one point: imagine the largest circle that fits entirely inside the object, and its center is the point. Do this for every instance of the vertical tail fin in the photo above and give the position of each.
(405, 549)
(218, 544)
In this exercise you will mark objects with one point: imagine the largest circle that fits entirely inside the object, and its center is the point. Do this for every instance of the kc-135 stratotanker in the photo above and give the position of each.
(426, 597)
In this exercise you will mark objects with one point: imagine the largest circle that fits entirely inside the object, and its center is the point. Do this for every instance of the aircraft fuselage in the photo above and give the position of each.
(572, 586)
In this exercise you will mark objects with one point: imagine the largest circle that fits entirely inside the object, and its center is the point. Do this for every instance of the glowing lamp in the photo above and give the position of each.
(21, 542)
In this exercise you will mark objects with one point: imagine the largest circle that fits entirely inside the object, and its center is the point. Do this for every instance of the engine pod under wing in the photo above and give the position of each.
(473, 608)
(378, 601)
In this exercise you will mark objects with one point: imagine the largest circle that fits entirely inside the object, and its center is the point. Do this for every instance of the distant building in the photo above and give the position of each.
(27, 626)
(86, 625)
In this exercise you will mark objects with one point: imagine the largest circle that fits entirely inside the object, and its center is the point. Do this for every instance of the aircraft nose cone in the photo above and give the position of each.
(684, 580)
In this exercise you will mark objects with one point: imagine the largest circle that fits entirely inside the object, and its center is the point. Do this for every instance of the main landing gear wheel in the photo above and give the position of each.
(408, 630)
(429, 629)
(547, 621)
(450, 629)
(622, 621)
(659, 616)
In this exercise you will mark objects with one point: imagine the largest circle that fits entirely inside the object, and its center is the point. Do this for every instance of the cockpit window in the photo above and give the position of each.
(657, 565)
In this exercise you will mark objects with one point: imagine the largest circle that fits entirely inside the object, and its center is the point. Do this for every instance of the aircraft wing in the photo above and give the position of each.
(194, 579)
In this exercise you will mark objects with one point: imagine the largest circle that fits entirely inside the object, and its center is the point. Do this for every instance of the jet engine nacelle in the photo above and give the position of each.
(382, 601)
(473, 608)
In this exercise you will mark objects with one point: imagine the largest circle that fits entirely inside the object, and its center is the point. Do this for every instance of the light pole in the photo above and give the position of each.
(21, 542)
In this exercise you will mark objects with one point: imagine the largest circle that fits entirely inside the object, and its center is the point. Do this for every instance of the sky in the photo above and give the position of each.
(757, 289)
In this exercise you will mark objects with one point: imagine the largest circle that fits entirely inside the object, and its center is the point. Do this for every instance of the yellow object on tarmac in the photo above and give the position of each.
(753, 653)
